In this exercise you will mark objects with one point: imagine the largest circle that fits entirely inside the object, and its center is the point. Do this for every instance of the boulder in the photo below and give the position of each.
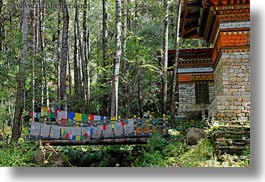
(194, 135)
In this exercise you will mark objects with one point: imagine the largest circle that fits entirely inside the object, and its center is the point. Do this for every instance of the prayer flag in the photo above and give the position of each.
(55, 132)
(64, 114)
(67, 135)
(104, 127)
(73, 137)
(91, 117)
(76, 131)
(78, 116)
(31, 114)
(35, 129)
(108, 132)
(84, 117)
(45, 129)
(123, 123)
(77, 138)
(97, 118)
(82, 137)
(85, 135)
(71, 115)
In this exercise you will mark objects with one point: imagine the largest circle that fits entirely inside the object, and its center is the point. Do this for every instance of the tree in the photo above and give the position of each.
(86, 50)
(165, 57)
(105, 97)
(16, 130)
(64, 55)
(115, 80)
(174, 91)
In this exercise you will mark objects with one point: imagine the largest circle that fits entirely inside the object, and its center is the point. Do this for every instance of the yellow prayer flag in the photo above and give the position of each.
(78, 116)
(44, 111)
(78, 138)
(113, 119)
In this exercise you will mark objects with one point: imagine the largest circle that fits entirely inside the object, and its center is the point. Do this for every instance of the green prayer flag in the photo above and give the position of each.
(84, 117)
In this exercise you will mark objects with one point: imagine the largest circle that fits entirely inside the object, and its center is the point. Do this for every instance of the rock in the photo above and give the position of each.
(194, 135)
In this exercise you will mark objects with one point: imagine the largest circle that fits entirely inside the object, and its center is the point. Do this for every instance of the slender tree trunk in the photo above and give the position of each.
(64, 55)
(124, 61)
(45, 89)
(165, 57)
(174, 94)
(77, 79)
(86, 50)
(105, 99)
(16, 130)
(58, 54)
(34, 46)
(115, 81)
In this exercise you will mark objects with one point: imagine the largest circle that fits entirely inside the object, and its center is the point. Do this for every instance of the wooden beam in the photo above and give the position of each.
(110, 141)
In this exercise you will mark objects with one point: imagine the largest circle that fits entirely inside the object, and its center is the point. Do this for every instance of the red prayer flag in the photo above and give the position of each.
(91, 117)
(31, 114)
(85, 135)
(104, 127)
(123, 123)
(67, 135)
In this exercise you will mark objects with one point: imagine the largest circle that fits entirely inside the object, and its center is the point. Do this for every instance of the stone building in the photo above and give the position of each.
(215, 79)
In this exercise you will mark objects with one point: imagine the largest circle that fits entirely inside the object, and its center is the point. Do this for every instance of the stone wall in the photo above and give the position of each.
(232, 87)
(187, 100)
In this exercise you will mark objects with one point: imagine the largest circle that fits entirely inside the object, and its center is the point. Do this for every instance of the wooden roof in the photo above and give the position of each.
(198, 16)
(192, 58)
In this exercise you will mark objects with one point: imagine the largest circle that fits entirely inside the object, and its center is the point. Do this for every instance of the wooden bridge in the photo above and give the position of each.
(98, 132)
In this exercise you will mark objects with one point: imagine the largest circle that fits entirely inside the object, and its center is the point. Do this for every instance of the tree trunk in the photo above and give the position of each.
(165, 57)
(16, 130)
(125, 70)
(105, 98)
(115, 81)
(34, 46)
(58, 54)
(86, 50)
(174, 94)
(64, 55)
(45, 89)
(77, 78)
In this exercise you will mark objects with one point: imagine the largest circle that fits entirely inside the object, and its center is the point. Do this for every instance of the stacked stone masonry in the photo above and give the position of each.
(232, 87)
(187, 100)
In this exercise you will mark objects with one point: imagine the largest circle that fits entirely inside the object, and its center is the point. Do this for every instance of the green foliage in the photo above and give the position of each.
(18, 155)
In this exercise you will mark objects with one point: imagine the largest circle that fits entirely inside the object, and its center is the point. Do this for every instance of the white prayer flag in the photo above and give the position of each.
(108, 132)
(76, 131)
(45, 129)
(35, 129)
(128, 129)
(118, 129)
(55, 132)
